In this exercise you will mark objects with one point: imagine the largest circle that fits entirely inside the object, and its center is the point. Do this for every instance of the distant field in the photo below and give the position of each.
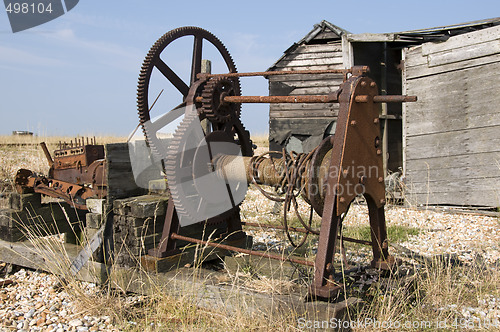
(10, 140)
(24, 151)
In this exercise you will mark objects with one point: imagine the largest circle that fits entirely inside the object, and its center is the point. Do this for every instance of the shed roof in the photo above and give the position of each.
(410, 37)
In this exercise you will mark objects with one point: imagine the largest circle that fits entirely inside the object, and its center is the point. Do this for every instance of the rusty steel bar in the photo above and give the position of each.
(283, 72)
(386, 99)
(282, 99)
(303, 230)
(331, 98)
(47, 154)
(245, 251)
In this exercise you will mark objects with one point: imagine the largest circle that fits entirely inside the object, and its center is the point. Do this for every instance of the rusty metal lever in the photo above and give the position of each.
(47, 154)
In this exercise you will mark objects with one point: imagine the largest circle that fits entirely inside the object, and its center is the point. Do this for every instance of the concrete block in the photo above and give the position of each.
(94, 220)
(141, 206)
(25, 201)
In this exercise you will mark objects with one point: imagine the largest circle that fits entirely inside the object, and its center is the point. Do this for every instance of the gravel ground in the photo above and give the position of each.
(32, 304)
(469, 236)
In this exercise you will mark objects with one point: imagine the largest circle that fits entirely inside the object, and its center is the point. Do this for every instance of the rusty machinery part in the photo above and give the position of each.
(287, 174)
(213, 105)
(76, 173)
(188, 157)
(153, 61)
(71, 193)
(318, 174)
(291, 174)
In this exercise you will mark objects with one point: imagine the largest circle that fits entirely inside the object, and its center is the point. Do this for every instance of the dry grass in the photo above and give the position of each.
(54, 140)
(436, 292)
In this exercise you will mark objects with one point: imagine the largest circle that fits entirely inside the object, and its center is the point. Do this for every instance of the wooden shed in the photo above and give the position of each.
(447, 145)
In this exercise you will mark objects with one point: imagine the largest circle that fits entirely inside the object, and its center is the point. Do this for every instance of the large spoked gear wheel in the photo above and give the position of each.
(198, 193)
(153, 60)
(214, 108)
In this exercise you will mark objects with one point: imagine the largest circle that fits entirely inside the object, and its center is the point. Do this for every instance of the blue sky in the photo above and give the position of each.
(78, 73)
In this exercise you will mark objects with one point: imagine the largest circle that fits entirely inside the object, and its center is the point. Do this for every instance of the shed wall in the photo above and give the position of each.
(305, 122)
(452, 134)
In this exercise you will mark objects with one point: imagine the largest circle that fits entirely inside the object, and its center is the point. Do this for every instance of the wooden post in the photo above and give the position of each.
(206, 68)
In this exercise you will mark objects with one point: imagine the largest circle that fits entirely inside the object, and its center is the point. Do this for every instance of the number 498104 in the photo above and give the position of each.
(28, 8)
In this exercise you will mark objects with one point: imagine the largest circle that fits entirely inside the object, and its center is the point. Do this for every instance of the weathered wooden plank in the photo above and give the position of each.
(456, 42)
(464, 53)
(334, 60)
(417, 55)
(319, 48)
(306, 77)
(424, 70)
(477, 140)
(309, 67)
(206, 291)
(414, 57)
(49, 255)
(462, 198)
(299, 126)
(455, 78)
(470, 159)
(320, 90)
(312, 56)
(453, 101)
(304, 107)
(311, 82)
(453, 174)
(371, 37)
(309, 113)
(458, 185)
(485, 198)
(454, 123)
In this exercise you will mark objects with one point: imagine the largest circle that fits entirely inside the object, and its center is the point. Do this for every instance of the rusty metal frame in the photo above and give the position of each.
(357, 142)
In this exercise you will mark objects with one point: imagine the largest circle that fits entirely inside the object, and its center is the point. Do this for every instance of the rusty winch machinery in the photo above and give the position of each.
(209, 160)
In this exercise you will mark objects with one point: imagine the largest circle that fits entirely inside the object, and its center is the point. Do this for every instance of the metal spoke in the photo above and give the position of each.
(197, 55)
(172, 77)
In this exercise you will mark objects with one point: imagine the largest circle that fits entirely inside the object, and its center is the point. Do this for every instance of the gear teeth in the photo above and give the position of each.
(148, 65)
(211, 107)
(177, 192)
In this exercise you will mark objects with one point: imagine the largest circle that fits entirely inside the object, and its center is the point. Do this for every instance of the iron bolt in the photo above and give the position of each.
(382, 201)
(353, 122)
(362, 179)
(379, 152)
(363, 83)
(342, 199)
(376, 120)
(373, 84)
(346, 171)
(380, 179)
